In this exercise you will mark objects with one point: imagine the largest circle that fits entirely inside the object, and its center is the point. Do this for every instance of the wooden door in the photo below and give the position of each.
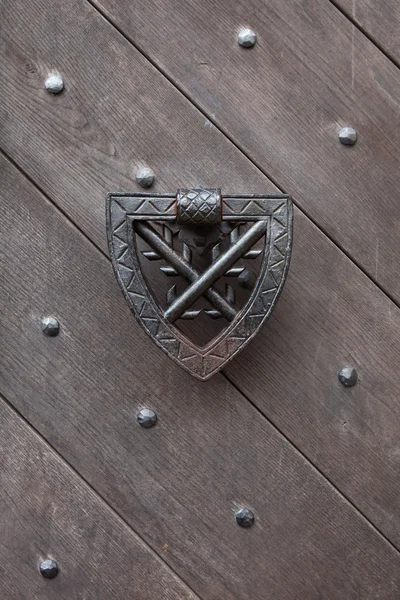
(129, 512)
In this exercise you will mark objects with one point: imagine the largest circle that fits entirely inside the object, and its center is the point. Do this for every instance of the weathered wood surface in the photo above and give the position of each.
(47, 510)
(87, 141)
(331, 315)
(380, 20)
(178, 484)
(117, 113)
(284, 101)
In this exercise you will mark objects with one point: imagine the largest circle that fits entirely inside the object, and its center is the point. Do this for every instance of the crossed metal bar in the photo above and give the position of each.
(201, 283)
(183, 267)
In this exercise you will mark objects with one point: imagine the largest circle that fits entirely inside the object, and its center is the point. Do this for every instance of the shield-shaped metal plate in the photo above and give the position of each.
(264, 218)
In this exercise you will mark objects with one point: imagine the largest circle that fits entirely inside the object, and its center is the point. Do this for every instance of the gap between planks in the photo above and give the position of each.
(365, 33)
(341, 494)
(234, 385)
(223, 131)
(33, 429)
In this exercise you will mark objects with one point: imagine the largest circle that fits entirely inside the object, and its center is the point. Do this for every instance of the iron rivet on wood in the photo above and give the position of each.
(348, 136)
(147, 418)
(49, 568)
(145, 177)
(205, 240)
(348, 376)
(54, 83)
(247, 38)
(50, 326)
(245, 517)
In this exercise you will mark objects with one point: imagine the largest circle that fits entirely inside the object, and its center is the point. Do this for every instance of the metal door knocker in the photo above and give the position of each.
(224, 260)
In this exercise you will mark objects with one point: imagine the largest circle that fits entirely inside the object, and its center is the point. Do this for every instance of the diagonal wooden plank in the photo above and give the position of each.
(178, 484)
(379, 20)
(87, 141)
(284, 101)
(331, 316)
(115, 114)
(47, 510)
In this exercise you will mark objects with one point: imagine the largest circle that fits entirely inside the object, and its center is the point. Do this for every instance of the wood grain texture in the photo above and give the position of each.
(331, 316)
(46, 510)
(380, 20)
(284, 102)
(116, 111)
(178, 484)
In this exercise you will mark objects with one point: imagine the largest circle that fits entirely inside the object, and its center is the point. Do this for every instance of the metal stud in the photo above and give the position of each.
(49, 568)
(245, 517)
(50, 326)
(145, 177)
(348, 136)
(54, 83)
(348, 376)
(147, 417)
(247, 38)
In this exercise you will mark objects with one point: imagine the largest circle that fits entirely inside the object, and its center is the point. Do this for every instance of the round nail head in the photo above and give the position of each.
(147, 418)
(348, 376)
(54, 83)
(348, 136)
(49, 568)
(247, 38)
(50, 326)
(145, 177)
(245, 517)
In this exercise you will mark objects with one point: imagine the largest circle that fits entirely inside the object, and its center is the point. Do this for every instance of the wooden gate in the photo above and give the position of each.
(129, 512)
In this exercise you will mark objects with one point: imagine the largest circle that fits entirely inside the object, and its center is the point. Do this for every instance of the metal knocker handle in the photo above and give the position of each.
(200, 222)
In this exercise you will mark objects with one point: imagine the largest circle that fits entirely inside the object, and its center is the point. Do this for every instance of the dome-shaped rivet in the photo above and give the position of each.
(145, 177)
(348, 136)
(245, 517)
(247, 38)
(54, 83)
(147, 417)
(48, 568)
(348, 376)
(50, 326)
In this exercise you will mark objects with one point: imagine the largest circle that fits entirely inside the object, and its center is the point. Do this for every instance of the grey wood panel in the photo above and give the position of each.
(179, 483)
(380, 20)
(117, 110)
(331, 316)
(284, 102)
(117, 113)
(46, 510)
